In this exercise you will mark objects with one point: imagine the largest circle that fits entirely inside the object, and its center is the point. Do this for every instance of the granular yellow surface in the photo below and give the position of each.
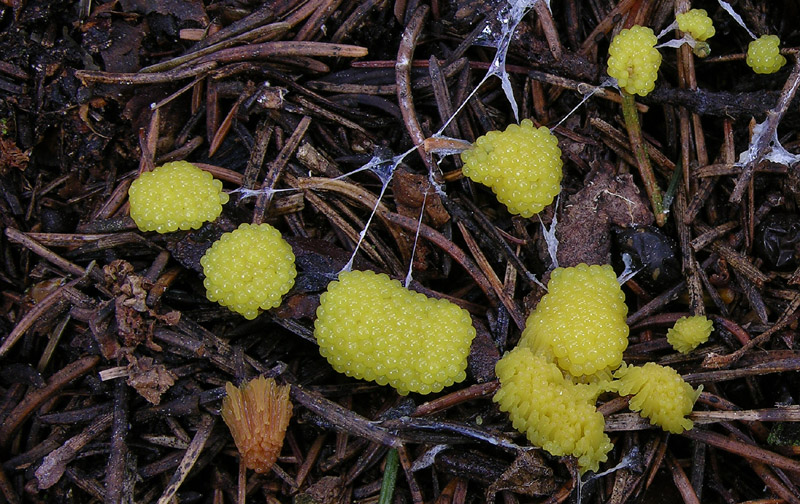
(763, 55)
(522, 165)
(249, 269)
(580, 323)
(660, 394)
(696, 23)
(371, 327)
(174, 196)
(553, 412)
(689, 332)
(634, 61)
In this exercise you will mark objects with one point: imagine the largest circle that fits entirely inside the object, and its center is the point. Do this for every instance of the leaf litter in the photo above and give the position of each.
(152, 324)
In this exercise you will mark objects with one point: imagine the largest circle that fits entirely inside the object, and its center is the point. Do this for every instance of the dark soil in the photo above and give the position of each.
(113, 363)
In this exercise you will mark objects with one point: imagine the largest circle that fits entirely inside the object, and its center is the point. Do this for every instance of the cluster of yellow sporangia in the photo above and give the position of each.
(249, 269)
(570, 352)
(659, 394)
(555, 413)
(689, 332)
(634, 60)
(580, 323)
(371, 327)
(522, 165)
(175, 196)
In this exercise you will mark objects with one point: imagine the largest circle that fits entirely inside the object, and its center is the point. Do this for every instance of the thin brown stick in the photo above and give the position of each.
(37, 397)
(605, 26)
(48, 305)
(55, 463)
(114, 201)
(258, 153)
(262, 33)
(264, 14)
(710, 235)
(773, 482)
(450, 400)
(276, 167)
(310, 460)
(88, 76)
(343, 418)
(189, 458)
(7, 489)
(736, 259)
(21, 238)
(777, 366)
(661, 160)
(356, 18)
(690, 267)
(633, 421)
(480, 258)
(442, 242)
(764, 143)
(221, 132)
(315, 110)
(282, 49)
(405, 54)
(788, 316)
(241, 487)
(742, 449)
(321, 14)
(117, 491)
(681, 481)
(405, 461)
(549, 28)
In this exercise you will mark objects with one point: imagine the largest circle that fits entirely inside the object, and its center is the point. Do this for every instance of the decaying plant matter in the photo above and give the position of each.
(339, 125)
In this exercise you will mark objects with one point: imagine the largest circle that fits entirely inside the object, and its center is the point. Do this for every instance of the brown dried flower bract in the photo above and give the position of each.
(257, 413)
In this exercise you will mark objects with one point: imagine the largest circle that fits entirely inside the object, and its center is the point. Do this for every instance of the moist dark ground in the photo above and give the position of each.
(113, 362)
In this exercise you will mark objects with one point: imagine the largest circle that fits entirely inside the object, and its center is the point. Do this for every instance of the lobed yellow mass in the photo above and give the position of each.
(764, 56)
(659, 393)
(249, 269)
(522, 165)
(696, 23)
(174, 196)
(689, 332)
(580, 324)
(554, 413)
(634, 61)
(371, 327)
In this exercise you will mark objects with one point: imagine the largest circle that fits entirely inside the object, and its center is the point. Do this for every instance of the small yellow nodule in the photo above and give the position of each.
(696, 23)
(634, 60)
(689, 332)
(257, 414)
(764, 55)
(659, 394)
